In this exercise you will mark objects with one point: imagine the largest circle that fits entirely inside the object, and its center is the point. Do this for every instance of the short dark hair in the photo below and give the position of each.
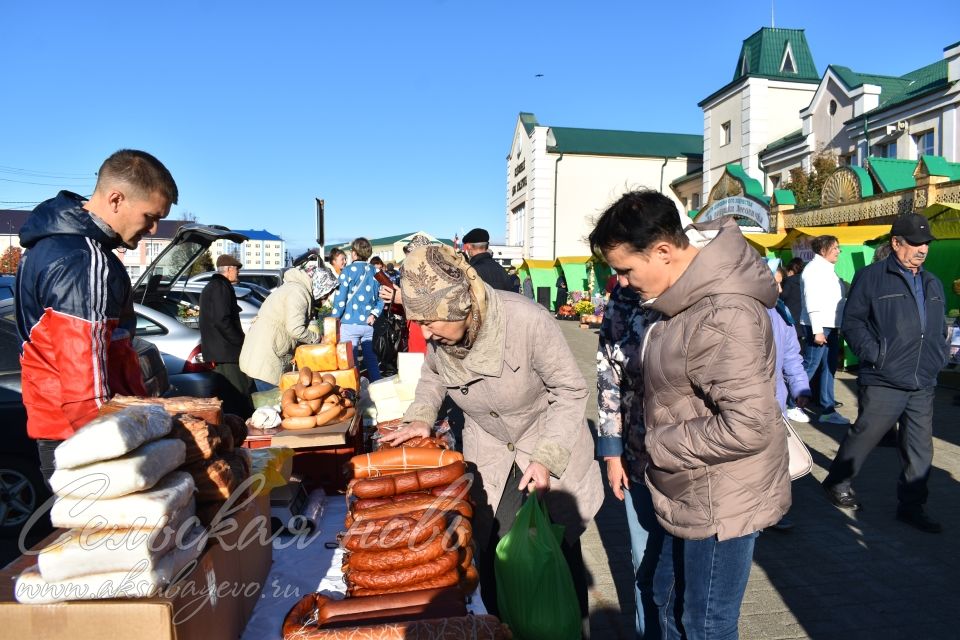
(361, 247)
(141, 171)
(376, 260)
(822, 243)
(796, 265)
(336, 252)
(638, 219)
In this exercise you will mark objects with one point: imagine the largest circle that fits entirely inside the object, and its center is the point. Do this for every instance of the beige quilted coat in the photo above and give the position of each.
(524, 399)
(714, 431)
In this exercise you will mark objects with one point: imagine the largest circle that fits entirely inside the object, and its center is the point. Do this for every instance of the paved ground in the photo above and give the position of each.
(835, 575)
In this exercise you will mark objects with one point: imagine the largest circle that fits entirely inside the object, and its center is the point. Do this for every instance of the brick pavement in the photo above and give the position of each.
(835, 575)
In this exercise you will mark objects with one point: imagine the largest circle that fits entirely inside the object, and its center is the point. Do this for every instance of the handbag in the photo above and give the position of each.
(800, 460)
(389, 339)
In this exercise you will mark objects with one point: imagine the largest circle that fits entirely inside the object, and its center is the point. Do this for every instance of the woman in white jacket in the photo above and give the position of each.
(821, 316)
(284, 321)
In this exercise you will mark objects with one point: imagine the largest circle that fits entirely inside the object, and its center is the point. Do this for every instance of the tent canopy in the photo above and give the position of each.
(846, 235)
(944, 220)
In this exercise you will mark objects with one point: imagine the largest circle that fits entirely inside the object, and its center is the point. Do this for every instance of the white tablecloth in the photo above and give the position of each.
(303, 565)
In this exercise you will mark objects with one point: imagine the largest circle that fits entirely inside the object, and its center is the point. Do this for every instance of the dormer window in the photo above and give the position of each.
(787, 65)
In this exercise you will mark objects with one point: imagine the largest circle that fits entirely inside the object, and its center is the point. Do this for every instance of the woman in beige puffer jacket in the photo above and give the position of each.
(718, 470)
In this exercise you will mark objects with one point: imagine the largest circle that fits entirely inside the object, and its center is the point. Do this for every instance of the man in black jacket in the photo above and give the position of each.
(222, 336)
(477, 244)
(894, 322)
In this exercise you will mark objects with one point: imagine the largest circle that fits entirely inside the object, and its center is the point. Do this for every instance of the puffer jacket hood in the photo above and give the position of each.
(715, 435)
(64, 215)
(726, 264)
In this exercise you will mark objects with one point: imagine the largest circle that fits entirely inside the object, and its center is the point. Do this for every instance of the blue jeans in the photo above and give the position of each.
(824, 358)
(699, 586)
(361, 335)
(646, 541)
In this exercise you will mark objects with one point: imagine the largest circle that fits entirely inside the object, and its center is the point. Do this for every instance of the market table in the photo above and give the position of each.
(302, 565)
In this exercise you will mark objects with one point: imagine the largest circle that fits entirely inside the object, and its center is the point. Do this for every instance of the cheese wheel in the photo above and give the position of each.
(331, 331)
(345, 355)
(347, 378)
(318, 357)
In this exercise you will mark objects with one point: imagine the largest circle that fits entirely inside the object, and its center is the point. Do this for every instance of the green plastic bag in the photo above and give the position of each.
(534, 588)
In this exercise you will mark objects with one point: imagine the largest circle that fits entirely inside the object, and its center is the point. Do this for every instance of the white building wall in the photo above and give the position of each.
(539, 211)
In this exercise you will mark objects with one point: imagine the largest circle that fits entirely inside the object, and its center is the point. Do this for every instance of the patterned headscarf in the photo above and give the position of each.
(439, 284)
(418, 240)
(323, 279)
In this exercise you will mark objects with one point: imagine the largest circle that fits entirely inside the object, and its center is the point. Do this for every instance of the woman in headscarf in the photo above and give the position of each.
(522, 394)
(284, 321)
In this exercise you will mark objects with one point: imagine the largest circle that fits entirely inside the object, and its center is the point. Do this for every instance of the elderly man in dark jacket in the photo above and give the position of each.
(894, 322)
(477, 246)
(222, 336)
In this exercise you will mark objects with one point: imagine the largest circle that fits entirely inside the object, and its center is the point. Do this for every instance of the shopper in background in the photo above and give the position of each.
(821, 313)
(357, 304)
(476, 244)
(338, 260)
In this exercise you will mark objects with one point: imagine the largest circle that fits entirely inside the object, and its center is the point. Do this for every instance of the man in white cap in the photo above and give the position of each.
(894, 322)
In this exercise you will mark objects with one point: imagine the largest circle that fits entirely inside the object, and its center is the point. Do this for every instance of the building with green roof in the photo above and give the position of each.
(560, 178)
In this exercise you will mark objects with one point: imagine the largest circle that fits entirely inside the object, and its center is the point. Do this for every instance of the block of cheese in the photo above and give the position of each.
(345, 355)
(331, 331)
(391, 409)
(319, 357)
(289, 379)
(408, 367)
(383, 389)
(145, 509)
(406, 391)
(346, 378)
(138, 470)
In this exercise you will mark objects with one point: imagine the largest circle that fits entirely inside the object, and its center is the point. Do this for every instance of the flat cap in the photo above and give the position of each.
(476, 236)
(226, 260)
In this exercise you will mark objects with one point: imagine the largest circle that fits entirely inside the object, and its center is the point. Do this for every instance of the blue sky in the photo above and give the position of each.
(398, 114)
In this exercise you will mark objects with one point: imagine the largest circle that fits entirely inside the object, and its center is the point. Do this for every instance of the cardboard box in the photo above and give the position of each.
(249, 548)
(202, 606)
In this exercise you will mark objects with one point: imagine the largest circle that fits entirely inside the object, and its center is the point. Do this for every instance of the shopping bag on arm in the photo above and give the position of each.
(535, 591)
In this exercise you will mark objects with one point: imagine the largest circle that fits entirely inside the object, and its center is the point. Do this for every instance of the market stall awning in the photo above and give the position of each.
(944, 220)
(848, 235)
(764, 242)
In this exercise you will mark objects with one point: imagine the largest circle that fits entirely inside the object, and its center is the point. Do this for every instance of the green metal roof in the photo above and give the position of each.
(763, 54)
(891, 174)
(938, 166)
(626, 143)
(866, 184)
(784, 196)
(897, 90)
(529, 121)
(790, 138)
(687, 177)
(751, 186)
(853, 79)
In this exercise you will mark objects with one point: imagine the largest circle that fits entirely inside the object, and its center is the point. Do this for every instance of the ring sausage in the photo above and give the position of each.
(329, 377)
(399, 460)
(470, 580)
(306, 377)
(440, 565)
(294, 424)
(366, 503)
(331, 399)
(327, 415)
(346, 413)
(314, 405)
(296, 410)
(447, 579)
(288, 397)
(409, 481)
(316, 391)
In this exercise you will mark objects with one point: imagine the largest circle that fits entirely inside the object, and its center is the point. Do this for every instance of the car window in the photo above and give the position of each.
(147, 327)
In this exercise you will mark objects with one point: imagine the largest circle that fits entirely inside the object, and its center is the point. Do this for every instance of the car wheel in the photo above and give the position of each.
(22, 491)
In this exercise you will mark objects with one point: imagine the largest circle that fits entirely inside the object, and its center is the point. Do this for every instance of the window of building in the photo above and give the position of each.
(924, 143)
(725, 133)
(519, 215)
(787, 65)
(889, 150)
(696, 201)
(833, 107)
(775, 181)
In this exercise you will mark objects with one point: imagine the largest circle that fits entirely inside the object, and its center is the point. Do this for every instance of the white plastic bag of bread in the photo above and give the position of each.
(89, 550)
(138, 470)
(140, 582)
(146, 508)
(113, 435)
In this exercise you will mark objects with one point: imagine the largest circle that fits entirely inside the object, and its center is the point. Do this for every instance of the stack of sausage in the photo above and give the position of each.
(408, 527)
(408, 565)
(316, 401)
(214, 455)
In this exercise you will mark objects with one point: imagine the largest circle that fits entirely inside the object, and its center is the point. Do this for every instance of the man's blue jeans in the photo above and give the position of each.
(699, 586)
(361, 335)
(646, 542)
(824, 358)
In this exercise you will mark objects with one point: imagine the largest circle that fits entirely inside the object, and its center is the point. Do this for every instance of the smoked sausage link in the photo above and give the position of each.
(388, 461)
(401, 558)
(409, 481)
(391, 534)
(428, 503)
